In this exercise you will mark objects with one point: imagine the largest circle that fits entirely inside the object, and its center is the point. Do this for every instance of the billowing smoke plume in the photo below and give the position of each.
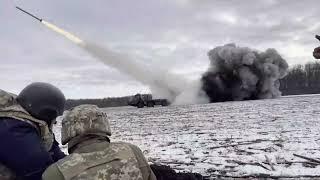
(239, 73)
(162, 83)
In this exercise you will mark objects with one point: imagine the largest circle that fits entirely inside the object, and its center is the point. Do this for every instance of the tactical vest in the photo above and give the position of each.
(9, 108)
(117, 161)
(6, 99)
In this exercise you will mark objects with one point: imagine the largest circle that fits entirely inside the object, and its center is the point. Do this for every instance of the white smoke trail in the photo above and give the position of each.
(163, 84)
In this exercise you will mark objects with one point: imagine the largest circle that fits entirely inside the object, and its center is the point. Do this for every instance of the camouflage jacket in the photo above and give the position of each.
(101, 160)
(9, 108)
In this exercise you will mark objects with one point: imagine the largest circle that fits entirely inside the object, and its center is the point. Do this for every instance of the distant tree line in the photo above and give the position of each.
(302, 79)
(105, 102)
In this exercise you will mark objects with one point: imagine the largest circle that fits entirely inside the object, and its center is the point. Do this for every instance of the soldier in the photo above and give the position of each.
(92, 156)
(316, 52)
(28, 146)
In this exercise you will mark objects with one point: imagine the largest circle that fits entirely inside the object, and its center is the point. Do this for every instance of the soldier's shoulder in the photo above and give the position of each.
(71, 159)
(137, 153)
(6, 98)
(119, 143)
(52, 173)
(135, 150)
(125, 144)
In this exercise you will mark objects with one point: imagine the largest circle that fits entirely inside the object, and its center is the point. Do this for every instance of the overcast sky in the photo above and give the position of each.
(176, 34)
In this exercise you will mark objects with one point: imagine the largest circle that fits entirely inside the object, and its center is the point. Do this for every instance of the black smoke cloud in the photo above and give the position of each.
(240, 73)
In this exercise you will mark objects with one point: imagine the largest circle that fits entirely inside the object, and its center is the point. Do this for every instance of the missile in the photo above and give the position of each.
(55, 28)
(29, 14)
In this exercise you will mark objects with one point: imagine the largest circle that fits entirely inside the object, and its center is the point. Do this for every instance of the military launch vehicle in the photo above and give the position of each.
(141, 101)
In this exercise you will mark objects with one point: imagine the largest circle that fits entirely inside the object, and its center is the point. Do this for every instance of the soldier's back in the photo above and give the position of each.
(101, 161)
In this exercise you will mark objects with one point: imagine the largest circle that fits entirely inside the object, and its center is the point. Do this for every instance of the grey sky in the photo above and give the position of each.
(176, 34)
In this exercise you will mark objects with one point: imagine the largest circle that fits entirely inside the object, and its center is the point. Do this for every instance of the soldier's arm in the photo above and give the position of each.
(21, 149)
(147, 173)
(56, 152)
(152, 176)
(52, 173)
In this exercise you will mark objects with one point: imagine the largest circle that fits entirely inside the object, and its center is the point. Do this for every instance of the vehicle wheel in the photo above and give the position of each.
(150, 104)
(164, 103)
(140, 104)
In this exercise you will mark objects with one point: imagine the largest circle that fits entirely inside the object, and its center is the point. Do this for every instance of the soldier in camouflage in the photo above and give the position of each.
(92, 156)
(28, 146)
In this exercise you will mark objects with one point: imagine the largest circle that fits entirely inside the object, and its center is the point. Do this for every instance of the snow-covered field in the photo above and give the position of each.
(229, 139)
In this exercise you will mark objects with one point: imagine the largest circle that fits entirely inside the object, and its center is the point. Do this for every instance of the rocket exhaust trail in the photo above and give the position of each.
(66, 34)
(160, 82)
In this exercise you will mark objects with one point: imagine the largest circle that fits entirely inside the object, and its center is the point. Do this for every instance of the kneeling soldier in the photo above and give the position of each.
(86, 129)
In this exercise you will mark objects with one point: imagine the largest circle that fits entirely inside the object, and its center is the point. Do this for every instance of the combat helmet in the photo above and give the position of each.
(42, 101)
(84, 120)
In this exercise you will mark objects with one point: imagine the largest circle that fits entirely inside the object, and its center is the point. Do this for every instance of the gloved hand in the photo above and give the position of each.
(55, 151)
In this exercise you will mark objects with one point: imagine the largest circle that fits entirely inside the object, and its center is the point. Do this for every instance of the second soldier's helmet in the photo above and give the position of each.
(42, 101)
(84, 120)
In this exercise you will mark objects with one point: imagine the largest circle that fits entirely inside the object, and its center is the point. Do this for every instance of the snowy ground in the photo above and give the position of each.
(230, 139)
